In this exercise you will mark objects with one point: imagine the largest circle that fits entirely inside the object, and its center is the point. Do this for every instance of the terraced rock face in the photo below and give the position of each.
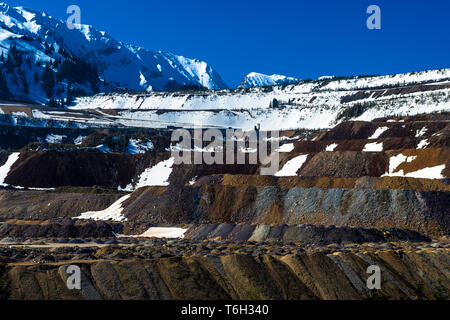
(415, 147)
(363, 194)
(350, 177)
(72, 169)
(113, 170)
(342, 182)
(422, 211)
(371, 183)
(414, 274)
(345, 164)
(305, 234)
(42, 205)
(52, 229)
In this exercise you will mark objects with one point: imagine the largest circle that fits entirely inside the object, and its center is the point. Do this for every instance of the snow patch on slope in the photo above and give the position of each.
(54, 138)
(136, 146)
(331, 147)
(288, 147)
(4, 170)
(373, 147)
(378, 133)
(292, 166)
(423, 144)
(163, 233)
(425, 173)
(113, 213)
(79, 140)
(421, 132)
(157, 175)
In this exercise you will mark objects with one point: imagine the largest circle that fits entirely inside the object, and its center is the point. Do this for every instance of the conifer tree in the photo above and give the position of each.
(36, 76)
(4, 91)
(48, 81)
(23, 80)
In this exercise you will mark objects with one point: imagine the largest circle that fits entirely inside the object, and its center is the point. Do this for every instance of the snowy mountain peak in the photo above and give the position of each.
(41, 39)
(255, 79)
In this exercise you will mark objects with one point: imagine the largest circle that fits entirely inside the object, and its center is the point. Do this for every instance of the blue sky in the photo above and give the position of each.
(305, 39)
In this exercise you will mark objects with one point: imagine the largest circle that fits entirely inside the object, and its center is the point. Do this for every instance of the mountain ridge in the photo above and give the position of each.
(44, 40)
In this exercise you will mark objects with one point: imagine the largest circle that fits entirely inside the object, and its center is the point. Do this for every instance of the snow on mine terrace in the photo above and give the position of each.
(246, 108)
(378, 133)
(4, 170)
(424, 173)
(114, 213)
(243, 109)
(330, 93)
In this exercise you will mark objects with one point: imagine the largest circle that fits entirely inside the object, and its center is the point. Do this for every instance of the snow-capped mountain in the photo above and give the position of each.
(254, 79)
(40, 41)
